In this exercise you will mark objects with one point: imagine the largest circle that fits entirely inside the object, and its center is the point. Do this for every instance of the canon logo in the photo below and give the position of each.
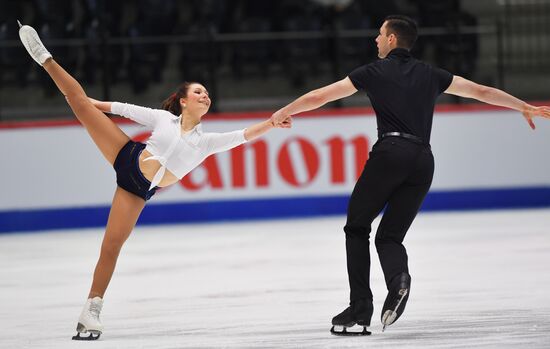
(286, 163)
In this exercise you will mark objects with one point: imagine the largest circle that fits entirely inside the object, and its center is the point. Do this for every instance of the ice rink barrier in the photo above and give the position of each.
(486, 158)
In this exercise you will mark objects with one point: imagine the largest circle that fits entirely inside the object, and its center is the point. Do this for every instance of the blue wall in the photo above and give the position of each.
(274, 208)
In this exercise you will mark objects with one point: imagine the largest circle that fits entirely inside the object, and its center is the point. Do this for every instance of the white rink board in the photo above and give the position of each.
(57, 167)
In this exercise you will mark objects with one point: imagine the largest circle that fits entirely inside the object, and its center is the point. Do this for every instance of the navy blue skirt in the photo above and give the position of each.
(128, 174)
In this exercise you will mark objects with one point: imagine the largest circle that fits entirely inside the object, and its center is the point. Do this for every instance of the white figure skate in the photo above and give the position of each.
(30, 39)
(89, 322)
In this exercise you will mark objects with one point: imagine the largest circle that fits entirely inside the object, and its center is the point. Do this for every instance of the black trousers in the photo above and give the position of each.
(397, 177)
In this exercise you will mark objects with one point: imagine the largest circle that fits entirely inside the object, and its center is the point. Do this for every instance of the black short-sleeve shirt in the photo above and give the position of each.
(402, 91)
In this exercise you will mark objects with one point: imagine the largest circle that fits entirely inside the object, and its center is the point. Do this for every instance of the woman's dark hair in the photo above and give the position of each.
(172, 103)
(404, 28)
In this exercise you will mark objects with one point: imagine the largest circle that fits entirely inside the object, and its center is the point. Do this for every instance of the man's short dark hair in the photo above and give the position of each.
(404, 28)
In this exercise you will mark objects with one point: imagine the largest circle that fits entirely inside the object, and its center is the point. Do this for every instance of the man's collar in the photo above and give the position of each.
(399, 52)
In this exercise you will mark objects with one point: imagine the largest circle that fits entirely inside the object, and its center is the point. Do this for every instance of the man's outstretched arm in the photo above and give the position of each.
(465, 88)
(315, 99)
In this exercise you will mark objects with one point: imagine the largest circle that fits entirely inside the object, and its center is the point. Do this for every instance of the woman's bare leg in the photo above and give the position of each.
(108, 137)
(123, 216)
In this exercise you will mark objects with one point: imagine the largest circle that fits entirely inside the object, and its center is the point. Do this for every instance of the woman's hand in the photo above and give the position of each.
(286, 123)
(103, 106)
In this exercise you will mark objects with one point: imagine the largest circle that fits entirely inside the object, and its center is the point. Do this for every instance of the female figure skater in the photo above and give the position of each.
(176, 146)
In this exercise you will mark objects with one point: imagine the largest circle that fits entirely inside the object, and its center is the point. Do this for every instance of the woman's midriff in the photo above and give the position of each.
(150, 168)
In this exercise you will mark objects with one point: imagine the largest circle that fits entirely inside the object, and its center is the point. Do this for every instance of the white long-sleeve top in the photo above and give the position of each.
(176, 152)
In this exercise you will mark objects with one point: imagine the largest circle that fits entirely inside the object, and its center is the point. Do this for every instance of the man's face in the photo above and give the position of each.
(384, 41)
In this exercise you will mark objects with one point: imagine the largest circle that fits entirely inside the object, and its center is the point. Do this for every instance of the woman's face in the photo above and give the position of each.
(197, 101)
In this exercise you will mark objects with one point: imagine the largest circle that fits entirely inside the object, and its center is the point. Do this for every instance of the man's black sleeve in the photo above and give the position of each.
(444, 79)
(360, 77)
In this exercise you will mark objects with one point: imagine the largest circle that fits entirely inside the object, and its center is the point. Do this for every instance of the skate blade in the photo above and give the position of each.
(81, 330)
(390, 316)
(335, 330)
(92, 337)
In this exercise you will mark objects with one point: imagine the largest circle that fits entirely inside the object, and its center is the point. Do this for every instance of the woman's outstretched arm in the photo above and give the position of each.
(261, 128)
(218, 142)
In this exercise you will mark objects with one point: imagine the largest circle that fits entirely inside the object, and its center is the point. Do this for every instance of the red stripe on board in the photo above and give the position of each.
(329, 112)
(51, 123)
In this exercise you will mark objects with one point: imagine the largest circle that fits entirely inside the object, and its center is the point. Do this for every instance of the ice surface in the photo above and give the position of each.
(479, 279)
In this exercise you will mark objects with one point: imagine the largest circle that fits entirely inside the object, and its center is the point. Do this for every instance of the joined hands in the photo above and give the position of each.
(281, 119)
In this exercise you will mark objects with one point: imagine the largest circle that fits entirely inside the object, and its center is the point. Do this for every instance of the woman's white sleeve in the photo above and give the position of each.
(218, 142)
(141, 115)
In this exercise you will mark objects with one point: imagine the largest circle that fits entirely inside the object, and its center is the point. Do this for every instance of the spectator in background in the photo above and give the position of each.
(213, 12)
(345, 15)
(13, 64)
(332, 9)
(208, 18)
(301, 56)
(376, 11)
(56, 20)
(453, 51)
(102, 20)
(147, 61)
(250, 16)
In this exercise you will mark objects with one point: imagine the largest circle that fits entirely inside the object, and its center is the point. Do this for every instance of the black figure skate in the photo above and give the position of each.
(358, 313)
(398, 294)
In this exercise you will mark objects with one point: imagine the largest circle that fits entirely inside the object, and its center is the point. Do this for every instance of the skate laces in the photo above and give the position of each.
(33, 40)
(36, 45)
(95, 309)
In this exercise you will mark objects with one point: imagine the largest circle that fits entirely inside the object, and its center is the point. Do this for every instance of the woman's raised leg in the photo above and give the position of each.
(108, 137)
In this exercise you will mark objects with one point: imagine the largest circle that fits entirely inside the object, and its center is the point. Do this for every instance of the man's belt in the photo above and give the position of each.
(410, 137)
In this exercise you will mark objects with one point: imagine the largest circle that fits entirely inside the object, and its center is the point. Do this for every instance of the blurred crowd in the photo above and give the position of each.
(144, 63)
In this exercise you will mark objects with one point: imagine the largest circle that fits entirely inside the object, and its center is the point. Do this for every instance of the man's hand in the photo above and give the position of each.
(287, 123)
(281, 119)
(530, 111)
